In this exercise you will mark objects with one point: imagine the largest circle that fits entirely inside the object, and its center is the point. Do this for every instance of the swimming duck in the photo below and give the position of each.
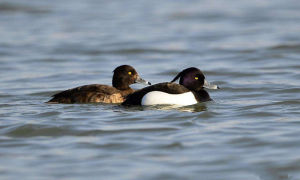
(124, 76)
(189, 91)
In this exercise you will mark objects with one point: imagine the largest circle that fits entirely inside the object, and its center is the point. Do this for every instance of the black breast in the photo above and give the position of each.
(171, 88)
(202, 96)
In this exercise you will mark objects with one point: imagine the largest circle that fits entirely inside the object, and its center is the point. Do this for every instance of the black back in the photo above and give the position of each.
(171, 88)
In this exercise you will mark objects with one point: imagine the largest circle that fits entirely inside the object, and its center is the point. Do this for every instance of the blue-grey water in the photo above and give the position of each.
(251, 49)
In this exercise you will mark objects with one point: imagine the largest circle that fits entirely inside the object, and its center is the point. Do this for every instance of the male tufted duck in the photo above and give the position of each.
(124, 76)
(189, 91)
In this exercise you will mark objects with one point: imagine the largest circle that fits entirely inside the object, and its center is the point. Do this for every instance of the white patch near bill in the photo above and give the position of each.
(158, 97)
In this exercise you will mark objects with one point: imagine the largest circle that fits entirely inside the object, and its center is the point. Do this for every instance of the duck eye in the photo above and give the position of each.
(129, 72)
(196, 78)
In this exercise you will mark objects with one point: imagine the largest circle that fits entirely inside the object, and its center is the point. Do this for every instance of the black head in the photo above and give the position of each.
(124, 76)
(192, 78)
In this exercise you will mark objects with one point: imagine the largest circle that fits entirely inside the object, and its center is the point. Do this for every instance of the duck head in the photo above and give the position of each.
(193, 79)
(126, 75)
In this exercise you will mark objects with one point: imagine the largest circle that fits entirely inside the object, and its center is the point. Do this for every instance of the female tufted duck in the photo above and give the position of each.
(189, 91)
(124, 76)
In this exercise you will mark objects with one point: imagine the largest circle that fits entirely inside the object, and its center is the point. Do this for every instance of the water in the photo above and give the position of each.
(251, 49)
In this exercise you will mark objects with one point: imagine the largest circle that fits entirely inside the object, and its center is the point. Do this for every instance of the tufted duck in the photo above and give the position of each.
(189, 91)
(124, 76)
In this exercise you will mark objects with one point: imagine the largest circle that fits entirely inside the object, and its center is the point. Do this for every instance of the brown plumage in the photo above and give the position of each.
(124, 76)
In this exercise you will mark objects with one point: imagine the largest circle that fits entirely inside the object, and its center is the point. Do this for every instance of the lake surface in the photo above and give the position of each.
(251, 49)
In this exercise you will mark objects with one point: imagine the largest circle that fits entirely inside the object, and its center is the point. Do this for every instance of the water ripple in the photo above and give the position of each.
(249, 48)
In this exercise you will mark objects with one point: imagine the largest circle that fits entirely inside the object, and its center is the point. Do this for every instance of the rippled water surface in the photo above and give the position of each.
(251, 49)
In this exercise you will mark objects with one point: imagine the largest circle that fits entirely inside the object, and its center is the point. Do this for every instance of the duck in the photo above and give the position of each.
(189, 91)
(123, 77)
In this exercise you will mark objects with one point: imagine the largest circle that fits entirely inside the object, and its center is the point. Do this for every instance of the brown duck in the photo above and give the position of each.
(124, 76)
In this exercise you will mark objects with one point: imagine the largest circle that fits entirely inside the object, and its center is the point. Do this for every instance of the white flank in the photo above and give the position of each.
(158, 97)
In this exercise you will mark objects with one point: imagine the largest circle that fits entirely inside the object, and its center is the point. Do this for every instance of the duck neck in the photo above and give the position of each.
(118, 84)
(201, 95)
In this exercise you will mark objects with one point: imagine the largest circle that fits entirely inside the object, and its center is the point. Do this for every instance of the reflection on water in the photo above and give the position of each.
(192, 108)
(249, 48)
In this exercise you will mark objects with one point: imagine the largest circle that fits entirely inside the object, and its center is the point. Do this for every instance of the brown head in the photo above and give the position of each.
(126, 75)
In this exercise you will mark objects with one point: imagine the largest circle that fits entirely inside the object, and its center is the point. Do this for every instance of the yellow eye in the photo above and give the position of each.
(196, 78)
(129, 73)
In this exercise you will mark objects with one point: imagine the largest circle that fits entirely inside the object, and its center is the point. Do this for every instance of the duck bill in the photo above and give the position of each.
(207, 85)
(141, 81)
